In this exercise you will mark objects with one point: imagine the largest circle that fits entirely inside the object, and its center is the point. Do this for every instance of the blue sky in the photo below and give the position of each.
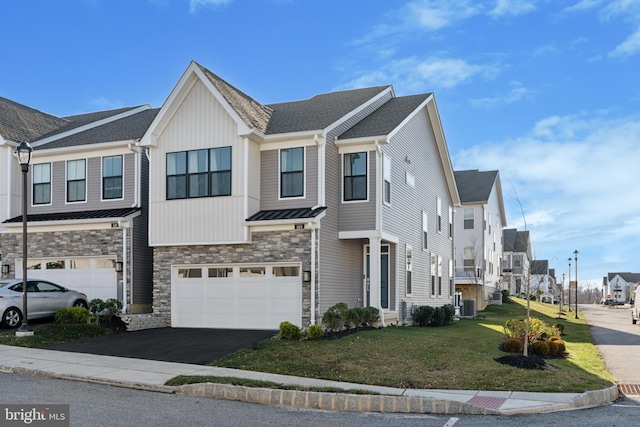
(545, 91)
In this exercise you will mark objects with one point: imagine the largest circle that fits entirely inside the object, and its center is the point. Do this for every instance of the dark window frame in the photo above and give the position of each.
(41, 188)
(198, 173)
(112, 184)
(352, 182)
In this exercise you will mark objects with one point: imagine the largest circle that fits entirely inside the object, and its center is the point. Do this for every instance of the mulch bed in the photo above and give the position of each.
(522, 361)
(346, 332)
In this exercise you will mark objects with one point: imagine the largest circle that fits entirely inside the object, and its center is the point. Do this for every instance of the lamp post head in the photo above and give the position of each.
(575, 253)
(23, 151)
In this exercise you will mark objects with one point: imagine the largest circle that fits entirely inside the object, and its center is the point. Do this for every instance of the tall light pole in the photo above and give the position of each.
(575, 253)
(23, 152)
(569, 285)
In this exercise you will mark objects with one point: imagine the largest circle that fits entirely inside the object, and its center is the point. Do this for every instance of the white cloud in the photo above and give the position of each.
(518, 93)
(195, 4)
(414, 74)
(628, 47)
(512, 7)
(436, 14)
(576, 177)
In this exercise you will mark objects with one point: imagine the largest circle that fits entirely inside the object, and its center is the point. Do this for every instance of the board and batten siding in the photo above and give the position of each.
(361, 215)
(142, 255)
(93, 182)
(200, 123)
(270, 181)
(403, 217)
(341, 261)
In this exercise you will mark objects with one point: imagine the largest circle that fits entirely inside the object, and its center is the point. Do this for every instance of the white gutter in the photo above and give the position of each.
(313, 273)
(136, 173)
(124, 269)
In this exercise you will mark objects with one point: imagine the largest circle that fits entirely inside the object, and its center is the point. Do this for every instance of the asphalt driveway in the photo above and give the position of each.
(182, 345)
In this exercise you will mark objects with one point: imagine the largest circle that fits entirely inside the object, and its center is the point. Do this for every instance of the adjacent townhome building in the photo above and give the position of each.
(516, 261)
(543, 282)
(478, 237)
(620, 286)
(267, 213)
(86, 201)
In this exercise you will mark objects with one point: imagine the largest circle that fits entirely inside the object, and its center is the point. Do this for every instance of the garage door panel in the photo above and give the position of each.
(95, 283)
(259, 302)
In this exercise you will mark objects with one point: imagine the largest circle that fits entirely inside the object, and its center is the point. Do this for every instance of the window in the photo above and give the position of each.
(469, 260)
(450, 277)
(468, 219)
(292, 172)
(433, 274)
(252, 271)
(439, 276)
(439, 210)
(286, 271)
(425, 229)
(190, 273)
(112, 177)
(387, 180)
(450, 222)
(355, 176)
(76, 183)
(220, 175)
(199, 173)
(409, 256)
(220, 272)
(42, 184)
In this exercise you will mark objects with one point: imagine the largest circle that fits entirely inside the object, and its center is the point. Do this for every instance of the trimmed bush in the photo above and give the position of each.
(560, 328)
(423, 315)
(505, 295)
(562, 347)
(515, 328)
(371, 316)
(289, 331)
(333, 319)
(315, 332)
(439, 317)
(539, 348)
(72, 315)
(355, 317)
(553, 348)
(513, 345)
(449, 312)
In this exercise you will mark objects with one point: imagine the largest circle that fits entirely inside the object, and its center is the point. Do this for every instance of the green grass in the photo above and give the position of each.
(459, 356)
(51, 333)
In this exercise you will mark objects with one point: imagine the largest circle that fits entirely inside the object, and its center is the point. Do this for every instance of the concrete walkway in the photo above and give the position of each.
(152, 375)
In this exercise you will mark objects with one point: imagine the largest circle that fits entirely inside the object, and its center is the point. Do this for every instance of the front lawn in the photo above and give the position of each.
(51, 333)
(459, 356)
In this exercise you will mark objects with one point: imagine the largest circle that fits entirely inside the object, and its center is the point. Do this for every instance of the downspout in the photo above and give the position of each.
(136, 172)
(9, 183)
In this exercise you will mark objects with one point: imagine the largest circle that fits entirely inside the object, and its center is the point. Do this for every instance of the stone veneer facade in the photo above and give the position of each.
(266, 247)
(61, 244)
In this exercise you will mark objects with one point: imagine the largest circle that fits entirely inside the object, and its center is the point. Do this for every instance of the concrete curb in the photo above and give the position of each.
(333, 401)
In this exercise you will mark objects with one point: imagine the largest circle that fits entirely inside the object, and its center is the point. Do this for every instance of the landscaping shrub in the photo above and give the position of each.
(562, 347)
(438, 317)
(315, 332)
(289, 331)
(515, 328)
(539, 348)
(505, 295)
(449, 312)
(333, 318)
(103, 311)
(513, 345)
(371, 316)
(422, 315)
(560, 328)
(553, 348)
(355, 317)
(72, 315)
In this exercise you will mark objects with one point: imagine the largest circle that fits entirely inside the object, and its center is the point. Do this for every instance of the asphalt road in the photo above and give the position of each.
(182, 345)
(617, 339)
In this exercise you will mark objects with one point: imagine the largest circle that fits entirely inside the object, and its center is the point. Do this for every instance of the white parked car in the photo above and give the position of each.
(43, 299)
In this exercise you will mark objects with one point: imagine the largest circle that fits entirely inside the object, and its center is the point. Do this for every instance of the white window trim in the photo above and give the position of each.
(366, 200)
(425, 230)
(408, 262)
(50, 185)
(304, 173)
(386, 176)
(66, 179)
(102, 199)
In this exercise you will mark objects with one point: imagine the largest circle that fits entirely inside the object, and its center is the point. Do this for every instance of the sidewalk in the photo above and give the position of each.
(152, 375)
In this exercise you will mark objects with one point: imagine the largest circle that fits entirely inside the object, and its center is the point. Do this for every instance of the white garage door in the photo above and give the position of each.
(95, 277)
(236, 297)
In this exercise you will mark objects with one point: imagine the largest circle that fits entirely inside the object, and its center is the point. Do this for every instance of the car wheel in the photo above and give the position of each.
(80, 303)
(11, 318)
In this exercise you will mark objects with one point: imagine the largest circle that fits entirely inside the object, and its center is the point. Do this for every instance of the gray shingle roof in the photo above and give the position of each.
(127, 128)
(21, 123)
(386, 118)
(514, 240)
(540, 266)
(318, 112)
(628, 277)
(475, 186)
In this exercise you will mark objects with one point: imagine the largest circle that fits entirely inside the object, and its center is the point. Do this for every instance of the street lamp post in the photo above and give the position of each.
(569, 299)
(575, 253)
(23, 151)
